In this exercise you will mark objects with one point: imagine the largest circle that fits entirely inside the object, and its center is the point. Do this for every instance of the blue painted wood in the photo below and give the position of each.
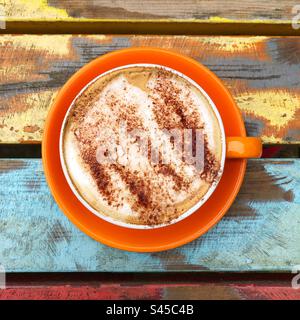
(261, 232)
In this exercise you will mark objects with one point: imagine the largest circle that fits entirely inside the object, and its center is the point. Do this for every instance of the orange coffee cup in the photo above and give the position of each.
(232, 147)
(238, 149)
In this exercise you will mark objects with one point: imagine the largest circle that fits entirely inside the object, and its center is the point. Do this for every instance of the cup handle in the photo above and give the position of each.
(243, 147)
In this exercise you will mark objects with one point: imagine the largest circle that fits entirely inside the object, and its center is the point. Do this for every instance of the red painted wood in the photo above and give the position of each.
(152, 291)
(104, 292)
(270, 293)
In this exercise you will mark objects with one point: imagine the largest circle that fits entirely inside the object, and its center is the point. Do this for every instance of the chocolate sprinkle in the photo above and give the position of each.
(151, 191)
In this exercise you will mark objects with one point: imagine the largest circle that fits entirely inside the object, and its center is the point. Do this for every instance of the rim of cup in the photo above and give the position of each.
(188, 212)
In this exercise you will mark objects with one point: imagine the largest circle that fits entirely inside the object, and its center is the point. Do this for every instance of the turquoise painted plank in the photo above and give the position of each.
(261, 232)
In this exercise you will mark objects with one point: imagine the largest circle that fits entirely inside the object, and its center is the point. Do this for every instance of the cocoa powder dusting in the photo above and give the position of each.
(164, 114)
(171, 109)
(167, 170)
(211, 165)
(171, 113)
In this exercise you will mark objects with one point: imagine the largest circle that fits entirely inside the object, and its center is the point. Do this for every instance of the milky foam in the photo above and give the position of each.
(136, 191)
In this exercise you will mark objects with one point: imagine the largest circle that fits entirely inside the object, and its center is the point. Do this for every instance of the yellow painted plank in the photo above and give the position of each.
(262, 73)
(151, 16)
(213, 10)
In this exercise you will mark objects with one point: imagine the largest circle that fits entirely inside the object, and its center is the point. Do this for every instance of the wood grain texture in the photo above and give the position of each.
(162, 291)
(262, 74)
(215, 10)
(249, 17)
(259, 233)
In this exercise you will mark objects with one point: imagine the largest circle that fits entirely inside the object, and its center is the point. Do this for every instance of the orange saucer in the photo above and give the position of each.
(148, 240)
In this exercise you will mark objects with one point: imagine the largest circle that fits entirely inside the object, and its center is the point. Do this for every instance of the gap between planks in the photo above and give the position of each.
(91, 278)
(154, 27)
(33, 150)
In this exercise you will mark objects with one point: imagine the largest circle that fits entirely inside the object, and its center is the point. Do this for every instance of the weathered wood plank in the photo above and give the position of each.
(200, 291)
(203, 286)
(259, 233)
(207, 17)
(214, 10)
(261, 72)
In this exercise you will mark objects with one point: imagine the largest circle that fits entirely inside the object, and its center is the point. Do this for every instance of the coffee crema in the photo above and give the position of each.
(132, 189)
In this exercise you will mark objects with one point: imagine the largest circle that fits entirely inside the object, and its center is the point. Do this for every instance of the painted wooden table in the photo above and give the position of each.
(252, 46)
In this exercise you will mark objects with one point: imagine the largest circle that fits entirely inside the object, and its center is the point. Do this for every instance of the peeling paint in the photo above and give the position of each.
(33, 9)
(133, 10)
(266, 90)
(53, 44)
(267, 242)
(278, 107)
(234, 44)
(21, 121)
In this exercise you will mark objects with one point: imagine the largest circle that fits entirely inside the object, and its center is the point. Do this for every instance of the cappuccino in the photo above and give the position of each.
(141, 145)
